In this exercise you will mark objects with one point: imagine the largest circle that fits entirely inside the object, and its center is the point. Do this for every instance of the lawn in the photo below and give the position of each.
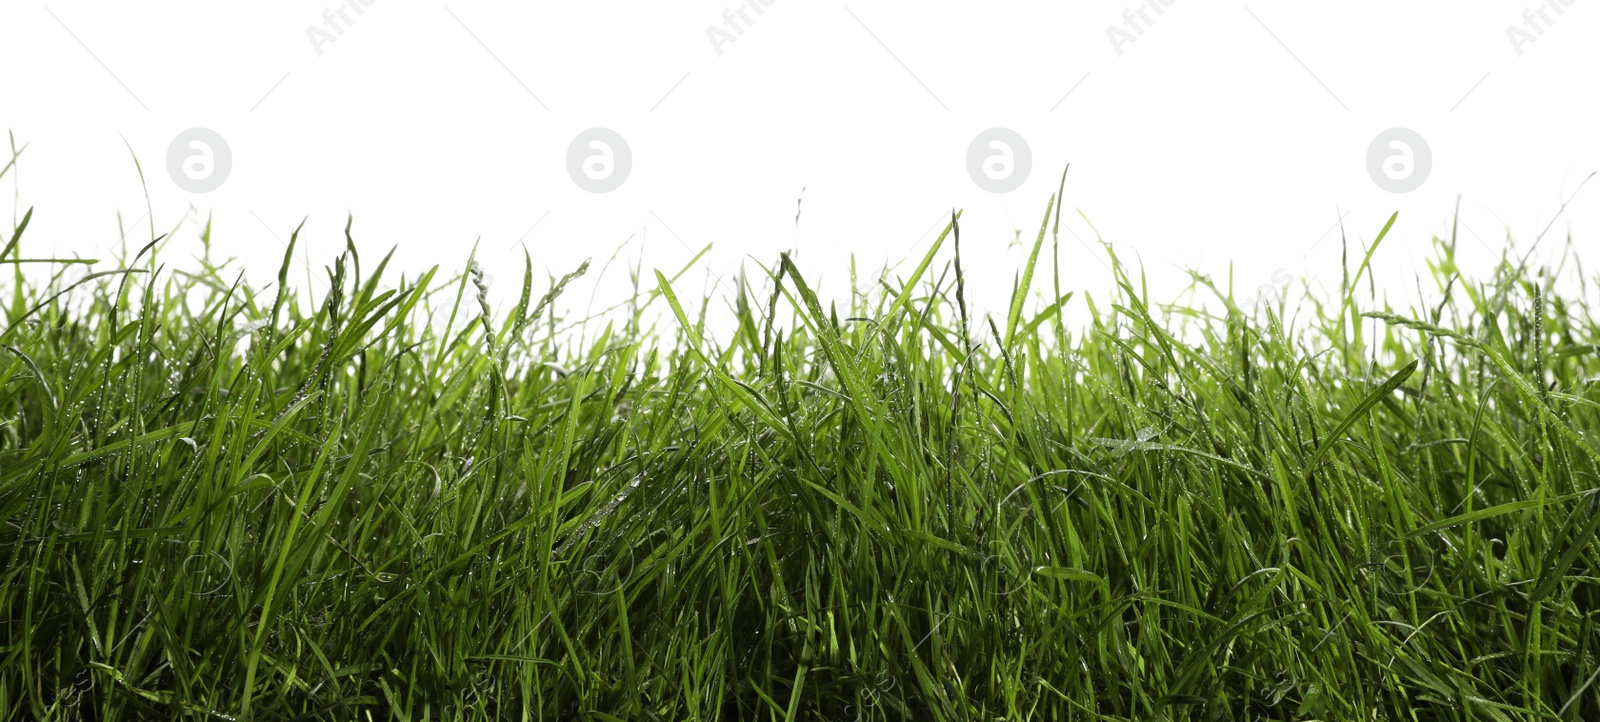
(395, 500)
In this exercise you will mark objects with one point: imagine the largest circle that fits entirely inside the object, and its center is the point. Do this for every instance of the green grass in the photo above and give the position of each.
(400, 502)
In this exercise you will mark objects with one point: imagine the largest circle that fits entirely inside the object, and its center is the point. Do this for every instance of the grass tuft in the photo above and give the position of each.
(224, 502)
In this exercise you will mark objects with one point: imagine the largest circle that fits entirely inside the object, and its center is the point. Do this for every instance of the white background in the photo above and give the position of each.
(1226, 136)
